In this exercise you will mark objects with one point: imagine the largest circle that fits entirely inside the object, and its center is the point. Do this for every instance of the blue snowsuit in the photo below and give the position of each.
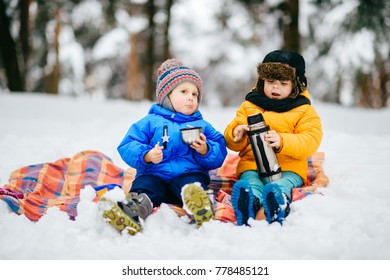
(181, 164)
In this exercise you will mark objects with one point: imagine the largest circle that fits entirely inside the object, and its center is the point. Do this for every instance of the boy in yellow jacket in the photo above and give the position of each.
(281, 96)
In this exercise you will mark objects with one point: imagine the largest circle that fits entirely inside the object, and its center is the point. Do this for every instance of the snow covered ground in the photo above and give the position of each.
(350, 221)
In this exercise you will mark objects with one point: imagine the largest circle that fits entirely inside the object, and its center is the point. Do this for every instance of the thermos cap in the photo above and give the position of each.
(256, 118)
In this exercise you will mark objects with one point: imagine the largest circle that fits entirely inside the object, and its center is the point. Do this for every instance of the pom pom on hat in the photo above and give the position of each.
(172, 73)
(284, 66)
(168, 64)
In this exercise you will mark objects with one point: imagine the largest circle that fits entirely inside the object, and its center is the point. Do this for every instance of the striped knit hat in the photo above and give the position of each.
(171, 74)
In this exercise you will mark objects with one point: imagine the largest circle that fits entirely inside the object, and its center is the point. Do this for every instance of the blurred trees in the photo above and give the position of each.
(372, 86)
(355, 47)
(112, 48)
(8, 51)
(50, 27)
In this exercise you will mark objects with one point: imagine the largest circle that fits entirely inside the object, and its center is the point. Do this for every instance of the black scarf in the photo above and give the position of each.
(279, 106)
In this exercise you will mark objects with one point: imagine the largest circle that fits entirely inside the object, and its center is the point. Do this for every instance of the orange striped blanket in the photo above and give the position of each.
(34, 188)
(59, 183)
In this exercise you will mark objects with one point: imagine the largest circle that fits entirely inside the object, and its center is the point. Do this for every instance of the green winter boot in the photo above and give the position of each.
(197, 202)
(128, 214)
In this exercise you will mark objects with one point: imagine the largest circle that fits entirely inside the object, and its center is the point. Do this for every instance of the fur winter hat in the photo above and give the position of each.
(172, 73)
(284, 66)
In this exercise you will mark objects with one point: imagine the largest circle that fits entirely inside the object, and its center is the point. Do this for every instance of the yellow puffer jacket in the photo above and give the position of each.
(300, 132)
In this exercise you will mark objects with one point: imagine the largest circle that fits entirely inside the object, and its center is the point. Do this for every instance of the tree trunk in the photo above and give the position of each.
(167, 52)
(24, 6)
(133, 79)
(150, 57)
(8, 52)
(383, 80)
(53, 79)
(365, 99)
(291, 35)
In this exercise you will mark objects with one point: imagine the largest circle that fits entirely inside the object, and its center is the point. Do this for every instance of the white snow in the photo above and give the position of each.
(350, 221)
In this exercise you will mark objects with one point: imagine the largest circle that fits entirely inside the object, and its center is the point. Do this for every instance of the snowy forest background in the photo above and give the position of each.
(112, 48)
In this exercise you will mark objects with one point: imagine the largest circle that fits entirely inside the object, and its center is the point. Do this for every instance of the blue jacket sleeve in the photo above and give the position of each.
(136, 144)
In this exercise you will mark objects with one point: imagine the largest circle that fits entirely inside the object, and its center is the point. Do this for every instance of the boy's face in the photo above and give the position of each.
(184, 98)
(276, 89)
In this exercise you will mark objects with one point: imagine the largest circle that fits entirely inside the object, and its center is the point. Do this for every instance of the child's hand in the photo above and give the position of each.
(239, 132)
(273, 139)
(155, 155)
(200, 145)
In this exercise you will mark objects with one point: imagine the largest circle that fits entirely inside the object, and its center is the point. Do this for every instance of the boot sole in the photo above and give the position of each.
(115, 216)
(197, 202)
(273, 200)
(242, 202)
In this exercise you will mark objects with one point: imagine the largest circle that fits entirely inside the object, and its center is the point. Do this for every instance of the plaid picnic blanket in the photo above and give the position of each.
(225, 176)
(59, 183)
(34, 188)
(223, 179)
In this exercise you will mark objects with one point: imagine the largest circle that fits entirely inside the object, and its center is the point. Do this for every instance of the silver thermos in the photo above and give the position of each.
(266, 161)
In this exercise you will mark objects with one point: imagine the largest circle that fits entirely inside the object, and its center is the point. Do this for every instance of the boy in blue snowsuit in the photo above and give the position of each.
(154, 145)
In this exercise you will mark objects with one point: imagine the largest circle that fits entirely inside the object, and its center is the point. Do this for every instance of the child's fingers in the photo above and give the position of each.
(158, 147)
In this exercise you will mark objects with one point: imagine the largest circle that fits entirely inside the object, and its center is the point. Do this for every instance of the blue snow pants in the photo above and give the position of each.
(160, 191)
